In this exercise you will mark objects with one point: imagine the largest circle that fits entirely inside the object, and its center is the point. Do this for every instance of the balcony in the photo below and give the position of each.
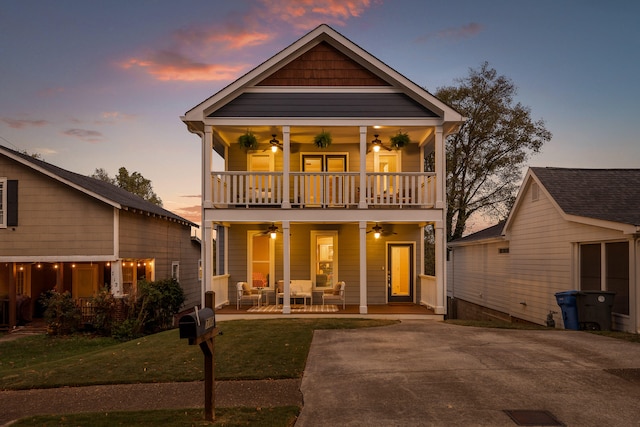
(323, 189)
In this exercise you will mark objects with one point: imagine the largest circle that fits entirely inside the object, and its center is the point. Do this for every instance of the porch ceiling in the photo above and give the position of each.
(339, 134)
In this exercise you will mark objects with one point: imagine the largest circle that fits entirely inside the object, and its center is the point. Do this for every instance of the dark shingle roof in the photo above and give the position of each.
(103, 189)
(606, 194)
(488, 233)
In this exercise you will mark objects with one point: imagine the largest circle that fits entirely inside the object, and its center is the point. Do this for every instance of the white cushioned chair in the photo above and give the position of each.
(245, 293)
(335, 295)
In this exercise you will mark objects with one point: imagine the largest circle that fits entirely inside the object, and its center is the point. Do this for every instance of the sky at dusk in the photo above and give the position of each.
(93, 84)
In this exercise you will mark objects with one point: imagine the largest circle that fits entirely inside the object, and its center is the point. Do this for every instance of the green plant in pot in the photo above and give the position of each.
(322, 140)
(399, 140)
(248, 141)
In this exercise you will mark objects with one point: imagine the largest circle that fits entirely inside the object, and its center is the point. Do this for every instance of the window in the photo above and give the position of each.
(175, 270)
(3, 202)
(324, 258)
(535, 192)
(608, 273)
(503, 250)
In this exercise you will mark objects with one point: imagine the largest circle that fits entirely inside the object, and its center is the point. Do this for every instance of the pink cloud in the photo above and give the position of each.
(192, 213)
(307, 14)
(469, 30)
(187, 56)
(23, 123)
(84, 134)
(165, 66)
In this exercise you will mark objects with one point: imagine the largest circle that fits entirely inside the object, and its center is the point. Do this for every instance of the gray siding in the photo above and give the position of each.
(54, 219)
(323, 105)
(142, 237)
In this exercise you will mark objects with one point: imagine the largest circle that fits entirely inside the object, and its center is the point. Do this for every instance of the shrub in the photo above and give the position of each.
(104, 306)
(62, 315)
(160, 301)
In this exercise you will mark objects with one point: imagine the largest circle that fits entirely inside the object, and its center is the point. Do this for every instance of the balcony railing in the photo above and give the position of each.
(324, 189)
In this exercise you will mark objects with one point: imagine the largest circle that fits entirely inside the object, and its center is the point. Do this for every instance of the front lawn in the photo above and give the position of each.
(280, 345)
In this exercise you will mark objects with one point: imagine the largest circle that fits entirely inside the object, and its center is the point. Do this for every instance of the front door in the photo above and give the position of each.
(400, 272)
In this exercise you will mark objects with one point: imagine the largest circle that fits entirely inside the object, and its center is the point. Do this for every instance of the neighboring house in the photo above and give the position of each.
(64, 231)
(324, 204)
(569, 229)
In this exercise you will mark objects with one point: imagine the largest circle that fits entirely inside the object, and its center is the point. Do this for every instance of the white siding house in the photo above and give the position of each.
(570, 229)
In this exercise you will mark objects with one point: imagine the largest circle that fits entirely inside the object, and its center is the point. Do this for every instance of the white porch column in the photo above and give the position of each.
(441, 270)
(286, 267)
(441, 169)
(207, 148)
(207, 259)
(634, 284)
(362, 202)
(286, 156)
(363, 267)
(116, 278)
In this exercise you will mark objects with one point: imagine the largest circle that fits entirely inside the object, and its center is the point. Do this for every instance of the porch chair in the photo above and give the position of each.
(244, 293)
(335, 295)
(279, 292)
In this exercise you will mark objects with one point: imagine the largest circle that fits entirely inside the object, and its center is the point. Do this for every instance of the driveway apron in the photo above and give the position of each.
(428, 373)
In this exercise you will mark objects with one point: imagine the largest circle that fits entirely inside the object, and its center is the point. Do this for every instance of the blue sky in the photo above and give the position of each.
(91, 84)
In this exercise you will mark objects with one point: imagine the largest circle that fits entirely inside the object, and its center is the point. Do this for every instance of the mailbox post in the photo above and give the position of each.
(200, 328)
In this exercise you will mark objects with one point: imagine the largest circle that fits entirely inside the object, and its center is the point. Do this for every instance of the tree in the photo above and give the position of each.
(486, 157)
(134, 183)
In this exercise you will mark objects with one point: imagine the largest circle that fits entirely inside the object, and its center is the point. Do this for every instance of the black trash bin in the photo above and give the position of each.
(594, 310)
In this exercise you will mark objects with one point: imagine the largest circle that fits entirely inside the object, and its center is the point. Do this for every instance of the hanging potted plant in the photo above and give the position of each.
(399, 140)
(322, 140)
(248, 141)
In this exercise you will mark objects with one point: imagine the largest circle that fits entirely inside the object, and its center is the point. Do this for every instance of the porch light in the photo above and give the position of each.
(275, 144)
(376, 147)
(376, 234)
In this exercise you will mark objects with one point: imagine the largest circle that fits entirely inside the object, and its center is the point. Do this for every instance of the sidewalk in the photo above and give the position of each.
(131, 397)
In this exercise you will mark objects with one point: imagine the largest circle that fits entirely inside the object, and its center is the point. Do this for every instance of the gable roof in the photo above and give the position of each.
(491, 233)
(103, 191)
(323, 44)
(606, 194)
(608, 198)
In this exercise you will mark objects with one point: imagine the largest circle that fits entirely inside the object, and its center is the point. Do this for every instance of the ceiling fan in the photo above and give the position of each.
(376, 145)
(272, 230)
(274, 144)
(378, 231)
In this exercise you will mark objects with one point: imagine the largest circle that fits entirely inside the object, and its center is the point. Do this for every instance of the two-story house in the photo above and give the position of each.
(295, 205)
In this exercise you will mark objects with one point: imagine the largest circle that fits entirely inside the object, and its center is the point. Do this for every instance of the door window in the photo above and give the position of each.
(400, 272)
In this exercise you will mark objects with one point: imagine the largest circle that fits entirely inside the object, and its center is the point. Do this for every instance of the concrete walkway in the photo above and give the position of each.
(132, 397)
(422, 373)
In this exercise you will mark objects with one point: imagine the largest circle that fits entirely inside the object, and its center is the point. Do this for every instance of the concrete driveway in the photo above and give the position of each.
(427, 373)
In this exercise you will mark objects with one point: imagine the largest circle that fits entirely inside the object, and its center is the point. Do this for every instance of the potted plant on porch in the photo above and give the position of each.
(322, 140)
(248, 141)
(399, 140)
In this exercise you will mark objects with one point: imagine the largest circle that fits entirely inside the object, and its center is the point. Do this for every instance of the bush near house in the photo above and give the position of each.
(151, 311)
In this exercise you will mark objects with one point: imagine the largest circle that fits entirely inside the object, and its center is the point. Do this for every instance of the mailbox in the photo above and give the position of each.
(197, 323)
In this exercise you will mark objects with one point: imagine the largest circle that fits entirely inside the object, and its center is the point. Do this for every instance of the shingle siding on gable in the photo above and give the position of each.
(319, 105)
(323, 65)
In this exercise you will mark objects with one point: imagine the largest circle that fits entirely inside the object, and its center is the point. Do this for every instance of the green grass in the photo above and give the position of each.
(255, 417)
(281, 346)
